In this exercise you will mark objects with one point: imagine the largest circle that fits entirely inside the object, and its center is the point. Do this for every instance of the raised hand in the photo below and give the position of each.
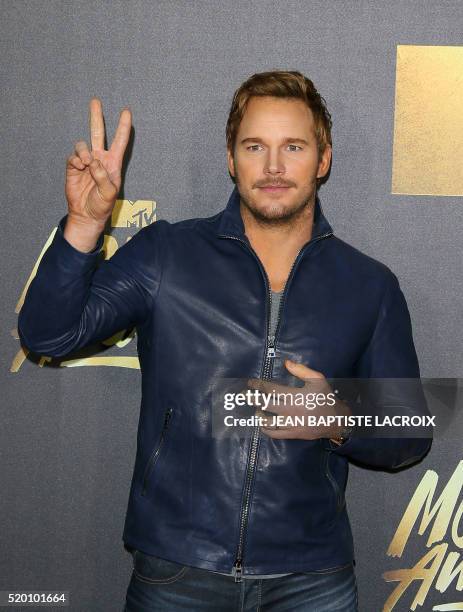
(93, 178)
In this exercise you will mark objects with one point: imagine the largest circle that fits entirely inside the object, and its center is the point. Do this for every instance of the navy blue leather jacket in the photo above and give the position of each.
(199, 298)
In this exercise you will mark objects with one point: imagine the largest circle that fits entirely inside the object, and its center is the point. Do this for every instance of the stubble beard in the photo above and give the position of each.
(278, 215)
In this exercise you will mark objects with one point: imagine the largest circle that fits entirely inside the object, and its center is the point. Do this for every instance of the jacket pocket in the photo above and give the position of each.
(338, 493)
(155, 452)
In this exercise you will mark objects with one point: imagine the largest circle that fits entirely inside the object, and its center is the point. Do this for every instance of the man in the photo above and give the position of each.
(260, 291)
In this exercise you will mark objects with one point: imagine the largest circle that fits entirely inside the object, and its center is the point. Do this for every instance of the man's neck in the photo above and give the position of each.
(277, 244)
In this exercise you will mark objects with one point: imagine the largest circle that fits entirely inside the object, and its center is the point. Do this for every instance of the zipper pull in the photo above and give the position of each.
(271, 353)
(167, 417)
(236, 570)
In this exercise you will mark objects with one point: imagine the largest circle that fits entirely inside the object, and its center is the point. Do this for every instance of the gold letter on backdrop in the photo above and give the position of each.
(428, 122)
(439, 566)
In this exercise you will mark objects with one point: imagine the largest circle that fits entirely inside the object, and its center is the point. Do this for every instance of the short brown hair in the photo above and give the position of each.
(280, 84)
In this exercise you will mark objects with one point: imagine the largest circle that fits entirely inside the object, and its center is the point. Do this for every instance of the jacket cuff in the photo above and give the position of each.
(333, 446)
(390, 453)
(68, 257)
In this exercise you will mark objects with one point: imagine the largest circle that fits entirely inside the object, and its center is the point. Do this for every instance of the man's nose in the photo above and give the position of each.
(273, 162)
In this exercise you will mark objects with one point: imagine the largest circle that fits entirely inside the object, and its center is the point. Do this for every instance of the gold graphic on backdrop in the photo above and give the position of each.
(127, 214)
(138, 214)
(440, 567)
(428, 121)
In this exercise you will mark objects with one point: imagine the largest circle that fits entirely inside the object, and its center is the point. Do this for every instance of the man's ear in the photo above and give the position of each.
(325, 162)
(231, 163)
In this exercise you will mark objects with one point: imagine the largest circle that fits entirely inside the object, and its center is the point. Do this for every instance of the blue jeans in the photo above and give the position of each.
(164, 586)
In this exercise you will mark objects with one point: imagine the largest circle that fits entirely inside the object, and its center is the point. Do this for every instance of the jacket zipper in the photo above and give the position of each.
(267, 368)
(155, 454)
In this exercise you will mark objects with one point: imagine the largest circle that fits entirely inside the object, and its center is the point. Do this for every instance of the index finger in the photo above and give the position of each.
(268, 386)
(96, 124)
(122, 135)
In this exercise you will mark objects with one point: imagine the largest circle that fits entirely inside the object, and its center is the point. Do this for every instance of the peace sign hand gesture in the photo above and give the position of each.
(93, 178)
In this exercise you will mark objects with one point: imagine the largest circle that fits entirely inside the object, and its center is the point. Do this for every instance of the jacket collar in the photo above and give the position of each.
(231, 222)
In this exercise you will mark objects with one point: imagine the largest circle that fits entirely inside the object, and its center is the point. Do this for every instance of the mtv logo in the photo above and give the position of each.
(133, 214)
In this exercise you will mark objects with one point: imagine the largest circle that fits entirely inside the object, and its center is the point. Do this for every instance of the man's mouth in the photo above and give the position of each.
(275, 188)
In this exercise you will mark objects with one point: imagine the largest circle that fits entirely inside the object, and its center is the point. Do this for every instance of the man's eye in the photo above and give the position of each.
(256, 147)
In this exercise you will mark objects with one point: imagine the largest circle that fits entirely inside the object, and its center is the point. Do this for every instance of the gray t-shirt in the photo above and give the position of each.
(274, 307)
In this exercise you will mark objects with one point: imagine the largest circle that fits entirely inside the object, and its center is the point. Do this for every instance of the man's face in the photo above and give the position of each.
(275, 162)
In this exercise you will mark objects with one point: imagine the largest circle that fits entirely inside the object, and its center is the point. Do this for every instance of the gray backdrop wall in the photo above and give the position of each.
(68, 434)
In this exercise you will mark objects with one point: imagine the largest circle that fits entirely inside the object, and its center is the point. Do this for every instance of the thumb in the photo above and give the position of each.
(105, 188)
(301, 371)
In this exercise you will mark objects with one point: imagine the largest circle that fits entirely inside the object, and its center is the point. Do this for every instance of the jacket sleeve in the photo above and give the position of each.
(72, 301)
(389, 357)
